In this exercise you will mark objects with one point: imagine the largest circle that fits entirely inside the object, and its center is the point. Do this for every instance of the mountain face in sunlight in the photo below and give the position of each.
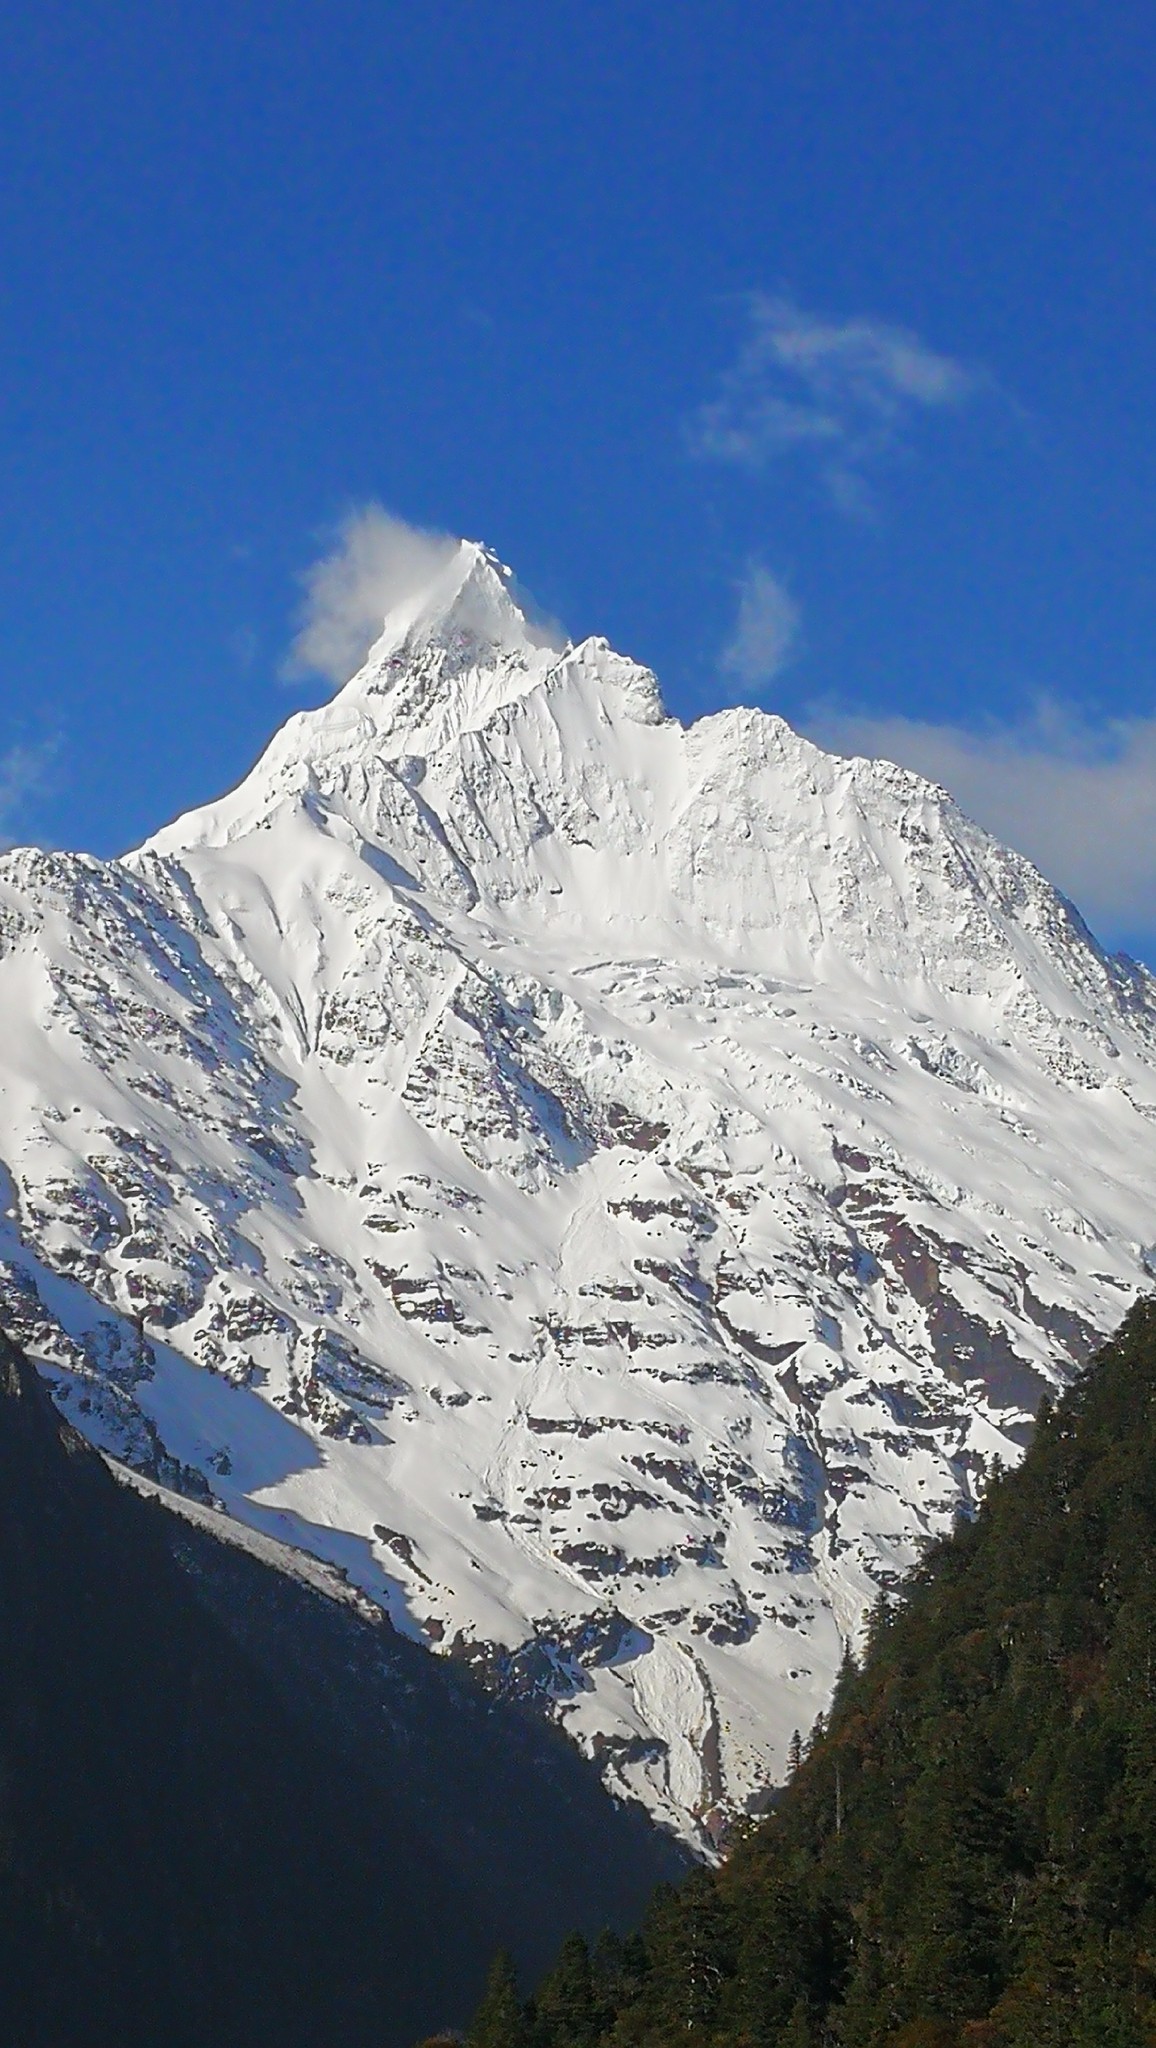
(612, 1188)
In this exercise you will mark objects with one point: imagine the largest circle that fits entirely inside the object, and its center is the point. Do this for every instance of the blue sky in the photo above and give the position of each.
(806, 351)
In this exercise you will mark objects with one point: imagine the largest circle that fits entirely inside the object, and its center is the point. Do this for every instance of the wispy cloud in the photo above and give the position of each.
(843, 391)
(766, 629)
(376, 563)
(24, 774)
(1078, 798)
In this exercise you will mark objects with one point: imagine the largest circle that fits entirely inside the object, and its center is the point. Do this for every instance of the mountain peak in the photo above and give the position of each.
(454, 651)
(469, 608)
(462, 644)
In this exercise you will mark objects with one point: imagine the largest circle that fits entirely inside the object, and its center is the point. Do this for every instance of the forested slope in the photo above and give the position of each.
(967, 1854)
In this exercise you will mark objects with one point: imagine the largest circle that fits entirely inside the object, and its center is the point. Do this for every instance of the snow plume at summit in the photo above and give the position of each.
(377, 563)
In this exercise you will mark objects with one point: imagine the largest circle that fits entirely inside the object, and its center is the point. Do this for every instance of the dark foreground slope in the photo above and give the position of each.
(968, 1854)
(233, 1811)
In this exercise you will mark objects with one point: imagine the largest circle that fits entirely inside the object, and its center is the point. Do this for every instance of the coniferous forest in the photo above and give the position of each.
(965, 1856)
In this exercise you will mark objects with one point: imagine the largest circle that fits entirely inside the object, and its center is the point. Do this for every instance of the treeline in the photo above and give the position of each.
(966, 1857)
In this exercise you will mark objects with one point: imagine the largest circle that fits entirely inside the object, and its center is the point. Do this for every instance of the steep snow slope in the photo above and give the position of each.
(612, 1187)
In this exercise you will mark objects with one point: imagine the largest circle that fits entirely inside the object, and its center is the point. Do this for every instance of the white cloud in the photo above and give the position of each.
(1077, 798)
(23, 776)
(377, 563)
(766, 629)
(844, 390)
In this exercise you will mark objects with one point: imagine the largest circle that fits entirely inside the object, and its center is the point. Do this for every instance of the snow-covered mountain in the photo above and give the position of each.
(613, 1187)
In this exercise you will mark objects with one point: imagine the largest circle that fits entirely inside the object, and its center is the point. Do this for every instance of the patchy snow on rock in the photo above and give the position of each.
(610, 1188)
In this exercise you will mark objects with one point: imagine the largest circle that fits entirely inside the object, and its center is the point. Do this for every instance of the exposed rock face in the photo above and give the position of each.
(614, 1187)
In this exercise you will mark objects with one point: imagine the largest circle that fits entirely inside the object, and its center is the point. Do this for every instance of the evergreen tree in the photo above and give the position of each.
(501, 2021)
(566, 2012)
(689, 1942)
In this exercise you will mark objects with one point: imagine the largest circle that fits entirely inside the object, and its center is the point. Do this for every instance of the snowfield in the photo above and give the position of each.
(612, 1188)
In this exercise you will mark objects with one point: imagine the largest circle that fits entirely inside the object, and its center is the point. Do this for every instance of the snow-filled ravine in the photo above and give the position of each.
(612, 1187)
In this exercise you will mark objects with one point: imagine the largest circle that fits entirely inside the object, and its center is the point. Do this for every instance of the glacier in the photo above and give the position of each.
(611, 1188)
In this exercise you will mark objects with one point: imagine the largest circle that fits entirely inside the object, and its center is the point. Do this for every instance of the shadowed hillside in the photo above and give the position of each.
(231, 1808)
